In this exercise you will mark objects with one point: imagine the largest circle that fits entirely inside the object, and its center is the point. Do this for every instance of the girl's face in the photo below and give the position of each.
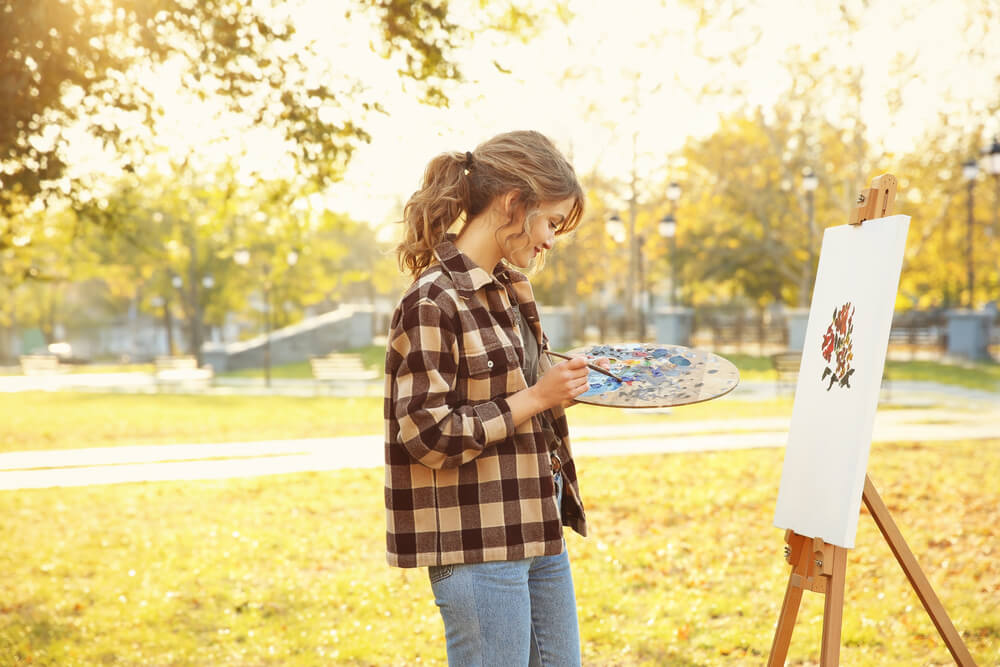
(541, 225)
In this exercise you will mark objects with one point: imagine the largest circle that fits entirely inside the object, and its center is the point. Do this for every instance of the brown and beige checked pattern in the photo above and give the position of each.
(462, 485)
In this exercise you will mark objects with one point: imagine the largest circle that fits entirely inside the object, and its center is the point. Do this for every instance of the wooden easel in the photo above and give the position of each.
(821, 567)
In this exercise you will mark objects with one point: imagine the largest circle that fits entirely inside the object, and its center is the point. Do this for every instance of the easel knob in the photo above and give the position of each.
(875, 201)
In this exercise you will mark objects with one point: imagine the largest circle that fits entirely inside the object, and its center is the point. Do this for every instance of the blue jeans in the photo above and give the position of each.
(509, 613)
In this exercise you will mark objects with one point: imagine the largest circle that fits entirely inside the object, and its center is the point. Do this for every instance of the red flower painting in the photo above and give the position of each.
(838, 348)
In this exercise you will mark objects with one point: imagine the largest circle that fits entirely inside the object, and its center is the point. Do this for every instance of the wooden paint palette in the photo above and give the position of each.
(657, 376)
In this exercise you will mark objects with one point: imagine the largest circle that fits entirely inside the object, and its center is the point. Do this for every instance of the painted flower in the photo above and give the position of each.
(838, 348)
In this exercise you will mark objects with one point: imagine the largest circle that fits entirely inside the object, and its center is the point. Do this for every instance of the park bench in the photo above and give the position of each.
(916, 339)
(341, 367)
(40, 364)
(786, 365)
(181, 373)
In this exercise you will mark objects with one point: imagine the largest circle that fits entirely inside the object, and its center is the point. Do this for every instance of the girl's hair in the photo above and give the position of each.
(463, 185)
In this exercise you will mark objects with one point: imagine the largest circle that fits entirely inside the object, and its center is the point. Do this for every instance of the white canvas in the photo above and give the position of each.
(827, 453)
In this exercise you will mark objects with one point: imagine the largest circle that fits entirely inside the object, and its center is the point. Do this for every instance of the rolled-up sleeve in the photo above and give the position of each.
(437, 426)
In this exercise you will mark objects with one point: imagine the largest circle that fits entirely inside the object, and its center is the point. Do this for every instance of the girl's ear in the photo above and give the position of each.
(510, 202)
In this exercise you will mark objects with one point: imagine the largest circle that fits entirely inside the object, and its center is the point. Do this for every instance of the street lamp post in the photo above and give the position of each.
(993, 168)
(616, 230)
(207, 283)
(177, 283)
(620, 234)
(970, 170)
(668, 230)
(809, 183)
(242, 257)
(160, 302)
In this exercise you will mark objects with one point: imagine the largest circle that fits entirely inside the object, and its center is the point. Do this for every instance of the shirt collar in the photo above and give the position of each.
(466, 275)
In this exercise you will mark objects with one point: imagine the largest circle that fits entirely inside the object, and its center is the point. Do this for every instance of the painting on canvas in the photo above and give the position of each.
(840, 377)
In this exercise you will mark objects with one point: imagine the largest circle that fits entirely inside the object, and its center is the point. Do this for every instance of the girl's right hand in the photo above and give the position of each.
(562, 383)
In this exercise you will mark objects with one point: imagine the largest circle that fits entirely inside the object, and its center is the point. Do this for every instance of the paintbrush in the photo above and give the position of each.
(593, 367)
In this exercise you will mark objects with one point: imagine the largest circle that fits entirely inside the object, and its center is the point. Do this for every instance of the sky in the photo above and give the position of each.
(576, 84)
(616, 68)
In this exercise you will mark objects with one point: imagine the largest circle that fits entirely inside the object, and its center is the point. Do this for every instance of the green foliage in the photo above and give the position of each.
(585, 263)
(64, 61)
(936, 196)
(190, 227)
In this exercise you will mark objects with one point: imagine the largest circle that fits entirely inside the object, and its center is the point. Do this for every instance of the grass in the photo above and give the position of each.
(753, 368)
(984, 376)
(683, 567)
(107, 420)
(89, 368)
(372, 357)
(67, 420)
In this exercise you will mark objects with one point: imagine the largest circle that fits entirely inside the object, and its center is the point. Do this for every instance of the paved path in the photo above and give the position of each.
(111, 465)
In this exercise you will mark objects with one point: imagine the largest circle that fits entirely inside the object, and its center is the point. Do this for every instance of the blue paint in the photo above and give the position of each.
(680, 361)
(600, 383)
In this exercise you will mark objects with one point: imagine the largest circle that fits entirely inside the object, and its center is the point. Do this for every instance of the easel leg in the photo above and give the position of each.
(833, 610)
(919, 581)
(790, 605)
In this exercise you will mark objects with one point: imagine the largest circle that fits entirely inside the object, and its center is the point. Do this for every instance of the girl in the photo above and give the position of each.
(479, 477)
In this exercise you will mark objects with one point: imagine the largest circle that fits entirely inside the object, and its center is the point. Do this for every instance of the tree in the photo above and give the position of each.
(64, 63)
(197, 247)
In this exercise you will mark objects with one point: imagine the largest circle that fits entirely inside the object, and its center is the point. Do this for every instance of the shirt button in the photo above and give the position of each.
(489, 364)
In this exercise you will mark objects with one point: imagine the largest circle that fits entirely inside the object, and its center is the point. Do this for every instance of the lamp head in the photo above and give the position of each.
(970, 169)
(993, 158)
(668, 226)
(809, 179)
(674, 191)
(615, 228)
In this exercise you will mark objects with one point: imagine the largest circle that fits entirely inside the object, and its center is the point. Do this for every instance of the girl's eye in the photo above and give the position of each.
(553, 225)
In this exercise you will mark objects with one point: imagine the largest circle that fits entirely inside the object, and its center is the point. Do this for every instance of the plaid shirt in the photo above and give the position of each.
(462, 484)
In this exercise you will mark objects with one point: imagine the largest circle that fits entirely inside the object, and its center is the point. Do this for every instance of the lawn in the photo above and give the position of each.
(984, 376)
(683, 567)
(67, 420)
(752, 368)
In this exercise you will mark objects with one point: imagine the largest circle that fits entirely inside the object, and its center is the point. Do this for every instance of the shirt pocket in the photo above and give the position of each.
(486, 360)
(486, 355)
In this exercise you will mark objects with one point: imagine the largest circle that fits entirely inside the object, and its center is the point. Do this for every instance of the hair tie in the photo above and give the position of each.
(468, 160)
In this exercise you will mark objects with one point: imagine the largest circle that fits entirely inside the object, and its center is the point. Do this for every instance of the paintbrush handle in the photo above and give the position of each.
(593, 367)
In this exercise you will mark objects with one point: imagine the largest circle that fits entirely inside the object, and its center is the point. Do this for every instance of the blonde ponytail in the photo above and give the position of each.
(462, 185)
(432, 210)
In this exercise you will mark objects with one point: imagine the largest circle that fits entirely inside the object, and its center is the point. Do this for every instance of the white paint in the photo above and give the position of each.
(831, 430)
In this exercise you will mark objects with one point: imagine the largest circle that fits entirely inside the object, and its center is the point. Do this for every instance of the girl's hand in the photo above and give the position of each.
(604, 363)
(562, 383)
